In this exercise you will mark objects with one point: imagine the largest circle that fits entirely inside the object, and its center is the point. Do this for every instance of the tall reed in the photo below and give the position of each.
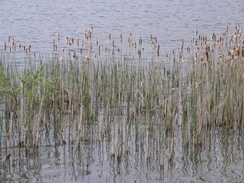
(127, 96)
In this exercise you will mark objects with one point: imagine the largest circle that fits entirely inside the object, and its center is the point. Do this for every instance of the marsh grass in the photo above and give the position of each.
(138, 104)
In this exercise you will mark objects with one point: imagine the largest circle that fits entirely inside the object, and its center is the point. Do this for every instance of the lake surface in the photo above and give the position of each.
(36, 22)
(220, 160)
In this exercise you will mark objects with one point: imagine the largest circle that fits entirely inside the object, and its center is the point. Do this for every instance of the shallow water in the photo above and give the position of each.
(219, 159)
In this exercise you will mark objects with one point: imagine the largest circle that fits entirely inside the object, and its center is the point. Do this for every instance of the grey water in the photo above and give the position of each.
(35, 22)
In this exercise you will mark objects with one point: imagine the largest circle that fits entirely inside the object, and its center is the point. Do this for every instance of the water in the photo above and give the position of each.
(220, 160)
(36, 22)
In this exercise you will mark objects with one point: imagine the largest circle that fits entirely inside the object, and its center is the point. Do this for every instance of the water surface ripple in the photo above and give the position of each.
(37, 21)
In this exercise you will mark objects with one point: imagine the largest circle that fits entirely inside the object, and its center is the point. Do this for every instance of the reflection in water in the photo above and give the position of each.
(220, 158)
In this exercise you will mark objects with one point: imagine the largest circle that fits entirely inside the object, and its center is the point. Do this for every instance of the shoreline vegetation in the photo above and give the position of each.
(91, 93)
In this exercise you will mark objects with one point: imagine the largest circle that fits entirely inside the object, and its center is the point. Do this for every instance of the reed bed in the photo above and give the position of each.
(133, 100)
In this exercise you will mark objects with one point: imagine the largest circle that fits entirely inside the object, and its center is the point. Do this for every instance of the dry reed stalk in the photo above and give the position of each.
(71, 125)
(22, 130)
(171, 150)
(9, 136)
(63, 130)
(147, 145)
(127, 140)
(113, 145)
(36, 125)
(100, 128)
(161, 162)
(80, 124)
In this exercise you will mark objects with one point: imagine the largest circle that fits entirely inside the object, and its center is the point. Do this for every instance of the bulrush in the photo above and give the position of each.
(87, 58)
(156, 39)
(140, 41)
(188, 50)
(197, 49)
(113, 42)
(90, 46)
(121, 38)
(14, 46)
(89, 34)
(141, 95)
(75, 56)
(61, 59)
(109, 36)
(158, 50)
(13, 42)
(153, 48)
(67, 40)
(139, 53)
(129, 41)
(29, 47)
(113, 51)
(213, 37)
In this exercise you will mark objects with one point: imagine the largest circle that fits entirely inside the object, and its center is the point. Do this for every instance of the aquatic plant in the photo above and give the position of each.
(134, 99)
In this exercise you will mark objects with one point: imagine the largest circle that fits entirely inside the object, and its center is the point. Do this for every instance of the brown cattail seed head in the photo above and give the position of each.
(61, 59)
